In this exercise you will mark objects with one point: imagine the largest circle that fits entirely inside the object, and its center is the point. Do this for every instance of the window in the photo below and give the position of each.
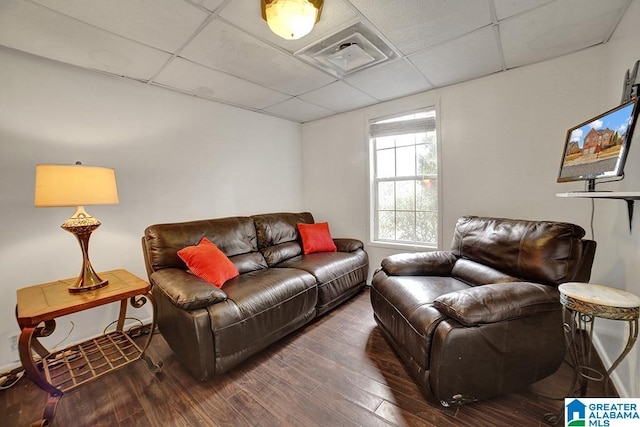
(404, 171)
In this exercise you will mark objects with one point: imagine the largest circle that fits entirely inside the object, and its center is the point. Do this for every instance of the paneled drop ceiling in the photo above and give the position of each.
(222, 50)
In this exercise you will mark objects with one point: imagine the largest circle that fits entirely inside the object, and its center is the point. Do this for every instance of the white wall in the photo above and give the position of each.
(177, 158)
(618, 250)
(501, 142)
(500, 137)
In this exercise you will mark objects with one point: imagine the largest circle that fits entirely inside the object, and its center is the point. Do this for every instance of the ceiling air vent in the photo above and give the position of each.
(352, 49)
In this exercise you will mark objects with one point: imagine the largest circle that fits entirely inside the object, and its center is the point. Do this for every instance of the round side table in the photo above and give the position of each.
(582, 303)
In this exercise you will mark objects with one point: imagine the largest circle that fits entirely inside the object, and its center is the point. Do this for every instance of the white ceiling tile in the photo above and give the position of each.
(448, 41)
(246, 14)
(338, 96)
(507, 8)
(163, 24)
(297, 110)
(628, 26)
(389, 80)
(413, 25)
(225, 48)
(207, 83)
(471, 56)
(557, 29)
(208, 4)
(31, 28)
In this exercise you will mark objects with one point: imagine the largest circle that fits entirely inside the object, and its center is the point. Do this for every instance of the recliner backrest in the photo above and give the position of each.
(541, 251)
(278, 236)
(235, 236)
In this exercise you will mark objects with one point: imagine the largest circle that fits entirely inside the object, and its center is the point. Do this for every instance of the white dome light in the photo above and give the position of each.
(291, 19)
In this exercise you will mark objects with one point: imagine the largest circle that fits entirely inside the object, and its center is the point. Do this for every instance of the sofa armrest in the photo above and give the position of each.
(186, 290)
(439, 263)
(498, 302)
(348, 245)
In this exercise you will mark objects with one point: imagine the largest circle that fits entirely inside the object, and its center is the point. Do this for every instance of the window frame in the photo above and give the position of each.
(373, 196)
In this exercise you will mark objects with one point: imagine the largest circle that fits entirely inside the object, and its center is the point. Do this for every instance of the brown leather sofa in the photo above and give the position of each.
(279, 289)
(484, 318)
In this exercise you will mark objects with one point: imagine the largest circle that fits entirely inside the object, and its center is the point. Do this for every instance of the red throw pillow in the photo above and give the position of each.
(208, 262)
(316, 238)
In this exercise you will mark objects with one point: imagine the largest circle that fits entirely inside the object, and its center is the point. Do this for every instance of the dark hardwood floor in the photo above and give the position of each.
(337, 371)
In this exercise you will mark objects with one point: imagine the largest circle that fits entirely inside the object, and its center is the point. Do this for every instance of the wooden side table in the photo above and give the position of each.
(56, 373)
(583, 302)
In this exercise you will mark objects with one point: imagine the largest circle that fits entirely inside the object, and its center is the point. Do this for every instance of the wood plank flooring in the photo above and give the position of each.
(336, 371)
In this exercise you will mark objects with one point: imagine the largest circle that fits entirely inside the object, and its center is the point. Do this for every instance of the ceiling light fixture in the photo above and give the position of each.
(291, 19)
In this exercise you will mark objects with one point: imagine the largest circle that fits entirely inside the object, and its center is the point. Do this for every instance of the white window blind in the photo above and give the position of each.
(404, 193)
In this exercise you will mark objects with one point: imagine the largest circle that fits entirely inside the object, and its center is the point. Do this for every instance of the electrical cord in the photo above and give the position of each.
(8, 381)
(73, 325)
(133, 331)
(593, 208)
(593, 237)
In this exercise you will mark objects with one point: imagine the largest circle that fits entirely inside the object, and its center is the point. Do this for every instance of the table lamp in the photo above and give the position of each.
(77, 185)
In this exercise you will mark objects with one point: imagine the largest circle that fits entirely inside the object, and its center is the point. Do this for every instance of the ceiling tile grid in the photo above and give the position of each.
(223, 47)
(558, 28)
(222, 50)
(447, 63)
(390, 80)
(215, 85)
(304, 111)
(163, 24)
(41, 31)
(507, 8)
(417, 24)
(339, 97)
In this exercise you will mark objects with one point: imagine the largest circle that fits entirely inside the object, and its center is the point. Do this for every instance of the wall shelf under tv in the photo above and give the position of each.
(628, 196)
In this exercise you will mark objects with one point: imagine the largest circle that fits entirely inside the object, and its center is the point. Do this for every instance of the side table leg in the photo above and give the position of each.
(585, 323)
(32, 371)
(137, 303)
(122, 316)
(633, 336)
(579, 353)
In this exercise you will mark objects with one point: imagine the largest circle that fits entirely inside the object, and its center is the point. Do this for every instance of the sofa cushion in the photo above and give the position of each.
(278, 238)
(262, 306)
(338, 274)
(476, 274)
(233, 236)
(208, 262)
(438, 263)
(403, 306)
(185, 290)
(251, 261)
(498, 302)
(537, 251)
(316, 238)
(348, 245)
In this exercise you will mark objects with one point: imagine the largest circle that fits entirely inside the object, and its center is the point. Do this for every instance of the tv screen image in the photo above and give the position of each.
(598, 147)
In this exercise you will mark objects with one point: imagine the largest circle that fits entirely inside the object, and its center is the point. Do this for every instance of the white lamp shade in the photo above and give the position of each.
(75, 185)
(291, 19)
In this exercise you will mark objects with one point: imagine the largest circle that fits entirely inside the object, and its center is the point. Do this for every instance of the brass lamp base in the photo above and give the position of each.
(81, 224)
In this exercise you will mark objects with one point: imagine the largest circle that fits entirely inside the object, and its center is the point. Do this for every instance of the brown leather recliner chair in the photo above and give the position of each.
(484, 318)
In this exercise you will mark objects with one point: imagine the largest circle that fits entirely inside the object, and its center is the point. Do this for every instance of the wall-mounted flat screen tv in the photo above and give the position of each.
(598, 147)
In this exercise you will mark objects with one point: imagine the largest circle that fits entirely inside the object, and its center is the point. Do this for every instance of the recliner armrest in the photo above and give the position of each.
(347, 244)
(498, 302)
(186, 290)
(438, 263)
